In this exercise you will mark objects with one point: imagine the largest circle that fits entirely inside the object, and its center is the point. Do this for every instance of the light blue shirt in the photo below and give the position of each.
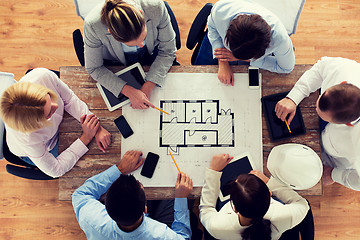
(224, 11)
(97, 224)
(128, 49)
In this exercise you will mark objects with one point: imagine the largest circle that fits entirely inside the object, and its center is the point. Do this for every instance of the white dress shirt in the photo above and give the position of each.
(340, 142)
(224, 224)
(36, 145)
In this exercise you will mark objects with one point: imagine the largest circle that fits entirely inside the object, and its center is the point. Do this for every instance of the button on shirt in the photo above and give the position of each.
(279, 56)
(340, 142)
(97, 224)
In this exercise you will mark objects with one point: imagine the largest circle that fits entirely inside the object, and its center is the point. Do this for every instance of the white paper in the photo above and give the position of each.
(195, 121)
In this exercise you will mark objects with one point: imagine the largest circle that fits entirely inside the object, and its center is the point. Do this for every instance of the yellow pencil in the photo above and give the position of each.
(161, 110)
(174, 162)
(287, 126)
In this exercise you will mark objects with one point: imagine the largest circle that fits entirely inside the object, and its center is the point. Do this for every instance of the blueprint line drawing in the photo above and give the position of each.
(195, 123)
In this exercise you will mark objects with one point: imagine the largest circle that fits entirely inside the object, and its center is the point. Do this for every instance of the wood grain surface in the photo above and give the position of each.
(94, 161)
(39, 34)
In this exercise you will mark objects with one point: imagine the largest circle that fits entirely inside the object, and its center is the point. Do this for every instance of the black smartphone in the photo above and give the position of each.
(149, 166)
(254, 80)
(123, 126)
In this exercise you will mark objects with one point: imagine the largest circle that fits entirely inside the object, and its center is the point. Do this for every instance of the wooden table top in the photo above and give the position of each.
(94, 161)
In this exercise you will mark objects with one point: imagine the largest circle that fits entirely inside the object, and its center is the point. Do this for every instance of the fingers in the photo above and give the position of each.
(141, 162)
(184, 180)
(149, 104)
(92, 120)
(222, 54)
(232, 79)
(178, 178)
(82, 119)
(291, 117)
(100, 145)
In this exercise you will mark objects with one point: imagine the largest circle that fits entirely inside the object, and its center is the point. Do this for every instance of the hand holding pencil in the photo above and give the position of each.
(183, 186)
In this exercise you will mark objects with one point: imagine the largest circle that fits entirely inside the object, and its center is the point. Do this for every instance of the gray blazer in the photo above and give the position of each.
(159, 33)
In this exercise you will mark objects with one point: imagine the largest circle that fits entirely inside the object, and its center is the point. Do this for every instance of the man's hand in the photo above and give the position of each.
(147, 88)
(90, 125)
(183, 186)
(131, 161)
(260, 175)
(326, 177)
(284, 107)
(225, 73)
(218, 162)
(103, 138)
(138, 98)
(224, 55)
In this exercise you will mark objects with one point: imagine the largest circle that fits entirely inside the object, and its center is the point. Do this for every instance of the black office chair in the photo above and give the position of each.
(79, 42)
(54, 71)
(198, 31)
(23, 169)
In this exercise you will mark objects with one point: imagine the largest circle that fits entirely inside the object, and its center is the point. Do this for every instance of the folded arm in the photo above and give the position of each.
(295, 207)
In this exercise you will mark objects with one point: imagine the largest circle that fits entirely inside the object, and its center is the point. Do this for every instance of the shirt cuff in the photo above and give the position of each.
(336, 175)
(296, 96)
(180, 204)
(79, 148)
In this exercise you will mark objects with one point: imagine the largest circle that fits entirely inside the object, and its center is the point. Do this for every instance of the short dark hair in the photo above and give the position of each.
(248, 36)
(251, 198)
(124, 21)
(342, 101)
(125, 200)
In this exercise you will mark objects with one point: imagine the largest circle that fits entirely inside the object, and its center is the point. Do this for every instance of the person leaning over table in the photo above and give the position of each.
(124, 215)
(339, 105)
(32, 110)
(244, 30)
(251, 213)
(127, 32)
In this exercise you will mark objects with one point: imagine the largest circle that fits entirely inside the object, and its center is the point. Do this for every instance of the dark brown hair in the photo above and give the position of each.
(342, 101)
(125, 200)
(251, 198)
(248, 36)
(125, 22)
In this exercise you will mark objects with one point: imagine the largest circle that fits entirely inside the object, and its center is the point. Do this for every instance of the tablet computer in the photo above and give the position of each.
(134, 75)
(241, 164)
(277, 128)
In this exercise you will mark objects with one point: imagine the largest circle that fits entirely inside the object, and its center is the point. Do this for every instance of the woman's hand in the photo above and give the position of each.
(90, 125)
(260, 175)
(103, 138)
(218, 162)
(138, 98)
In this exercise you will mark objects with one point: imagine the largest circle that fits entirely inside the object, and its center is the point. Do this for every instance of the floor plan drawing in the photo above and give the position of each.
(206, 118)
(195, 123)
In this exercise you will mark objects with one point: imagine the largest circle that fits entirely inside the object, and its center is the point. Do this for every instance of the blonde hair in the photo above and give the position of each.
(22, 106)
(125, 22)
